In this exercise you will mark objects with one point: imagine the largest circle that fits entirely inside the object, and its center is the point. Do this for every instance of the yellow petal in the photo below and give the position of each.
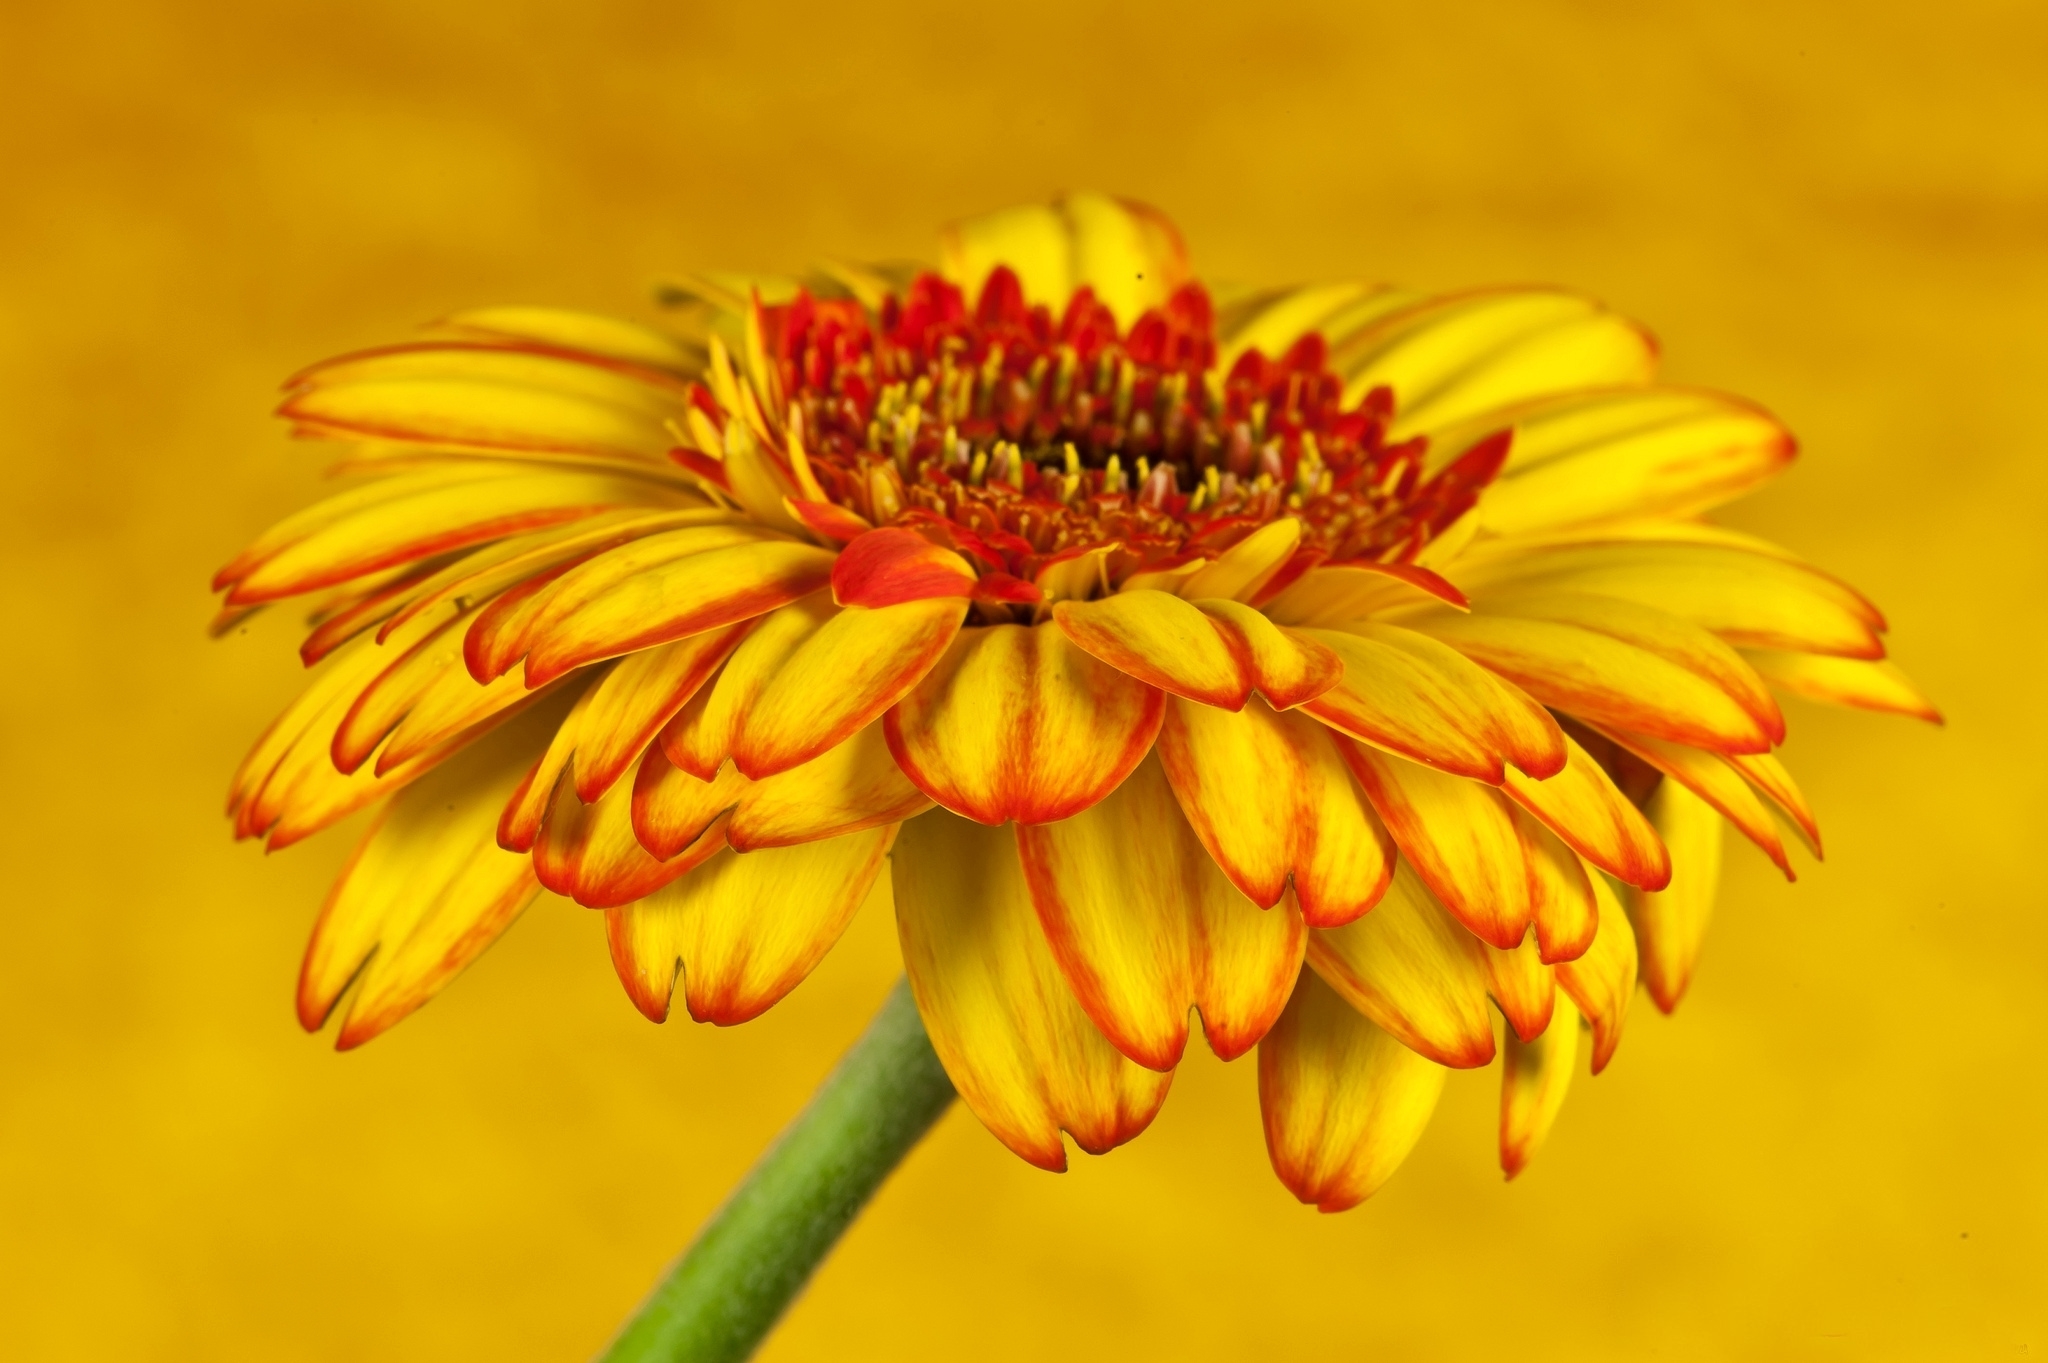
(854, 786)
(1581, 805)
(1145, 925)
(588, 333)
(1716, 780)
(671, 809)
(1128, 253)
(1459, 836)
(1272, 322)
(1274, 804)
(1768, 774)
(743, 931)
(1602, 981)
(1409, 967)
(1412, 695)
(1562, 907)
(1022, 1053)
(1585, 457)
(589, 851)
(1287, 668)
(1615, 665)
(1162, 641)
(841, 678)
(700, 738)
(640, 694)
(1670, 924)
(1016, 722)
(1343, 1101)
(1877, 684)
(1247, 565)
(1523, 986)
(424, 894)
(1533, 1082)
(1452, 357)
(1341, 593)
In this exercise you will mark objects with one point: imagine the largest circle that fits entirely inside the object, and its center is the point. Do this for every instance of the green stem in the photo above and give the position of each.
(758, 1250)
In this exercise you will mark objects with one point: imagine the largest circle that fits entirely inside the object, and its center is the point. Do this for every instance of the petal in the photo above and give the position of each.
(1562, 906)
(854, 786)
(639, 695)
(426, 515)
(1523, 986)
(587, 334)
(886, 567)
(1717, 781)
(671, 809)
(1533, 1082)
(1274, 804)
(1341, 593)
(841, 678)
(1451, 357)
(700, 738)
(1343, 1101)
(1409, 967)
(743, 931)
(1130, 254)
(1459, 836)
(1670, 924)
(1162, 641)
(1409, 694)
(1022, 1053)
(1584, 457)
(589, 852)
(1289, 669)
(422, 896)
(1241, 570)
(1145, 925)
(1877, 684)
(1602, 981)
(672, 600)
(1755, 599)
(1616, 665)
(1016, 722)
(1768, 774)
(1581, 805)
(1273, 322)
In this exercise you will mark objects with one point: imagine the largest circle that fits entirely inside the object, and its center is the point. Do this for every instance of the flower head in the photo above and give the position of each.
(1341, 663)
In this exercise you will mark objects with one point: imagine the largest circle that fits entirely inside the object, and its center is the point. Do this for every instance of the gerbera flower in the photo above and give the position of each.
(1161, 639)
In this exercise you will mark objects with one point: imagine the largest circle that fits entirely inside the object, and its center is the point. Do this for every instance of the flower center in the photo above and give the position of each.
(1026, 439)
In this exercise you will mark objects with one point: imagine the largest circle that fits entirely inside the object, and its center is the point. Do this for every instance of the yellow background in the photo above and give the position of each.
(1834, 1151)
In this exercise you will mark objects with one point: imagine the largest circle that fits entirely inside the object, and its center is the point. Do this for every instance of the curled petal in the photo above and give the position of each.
(1288, 668)
(1561, 903)
(1602, 981)
(1533, 1082)
(1523, 986)
(1670, 924)
(1024, 1056)
(1343, 1101)
(589, 851)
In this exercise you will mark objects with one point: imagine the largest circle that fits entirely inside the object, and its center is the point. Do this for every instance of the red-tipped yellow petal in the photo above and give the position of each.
(1602, 981)
(585, 334)
(893, 565)
(842, 678)
(1755, 599)
(1460, 837)
(1616, 665)
(1453, 357)
(1274, 805)
(1768, 774)
(1877, 684)
(1533, 1083)
(1412, 695)
(1670, 924)
(1523, 986)
(699, 739)
(1016, 722)
(702, 591)
(1287, 668)
(742, 931)
(854, 786)
(1020, 1050)
(431, 517)
(589, 852)
(389, 696)
(1342, 593)
(1585, 457)
(1145, 925)
(1562, 906)
(1581, 805)
(424, 893)
(1162, 641)
(1716, 780)
(1343, 1101)
(640, 694)
(1247, 565)
(1413, 970)
(671, 809)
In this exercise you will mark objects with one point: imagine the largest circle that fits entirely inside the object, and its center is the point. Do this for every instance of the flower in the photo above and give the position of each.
(1162, 639)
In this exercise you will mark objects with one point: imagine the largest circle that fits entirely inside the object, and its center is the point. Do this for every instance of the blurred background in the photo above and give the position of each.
(1833, 1151)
